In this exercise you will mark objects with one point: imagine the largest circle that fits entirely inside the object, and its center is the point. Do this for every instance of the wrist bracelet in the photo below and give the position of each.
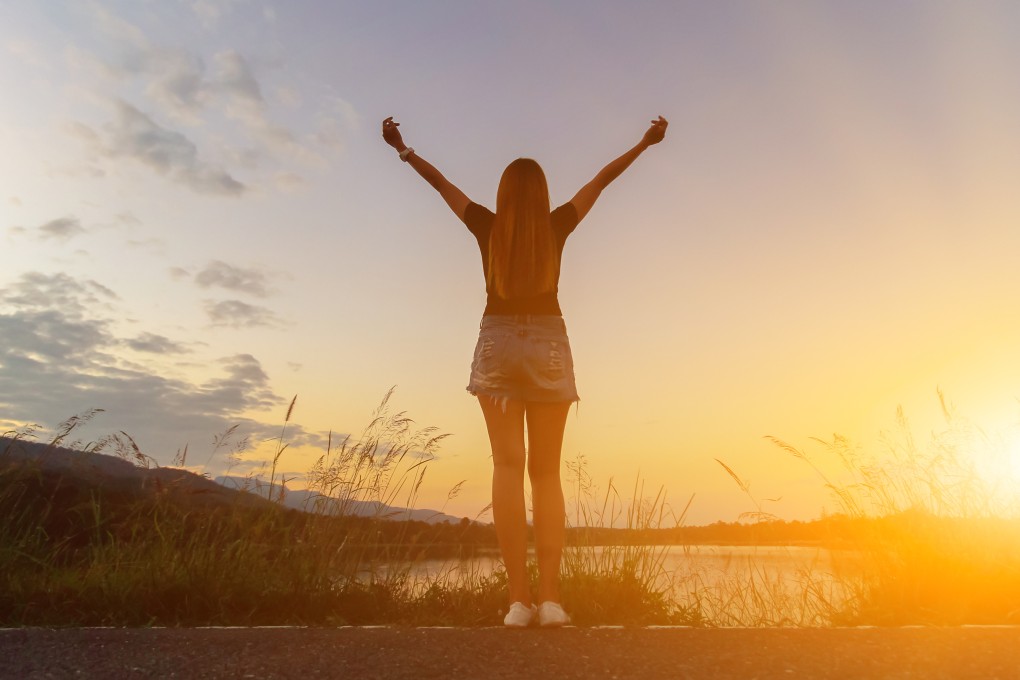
(405, 153)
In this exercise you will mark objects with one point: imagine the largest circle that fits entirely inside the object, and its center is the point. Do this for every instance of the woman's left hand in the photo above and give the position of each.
(391, 134)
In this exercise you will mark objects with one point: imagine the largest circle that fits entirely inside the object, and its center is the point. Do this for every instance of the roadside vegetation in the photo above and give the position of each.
(919, 540)
(934, 539)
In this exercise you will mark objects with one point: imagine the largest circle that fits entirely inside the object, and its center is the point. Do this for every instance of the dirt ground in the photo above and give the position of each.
(421, 653)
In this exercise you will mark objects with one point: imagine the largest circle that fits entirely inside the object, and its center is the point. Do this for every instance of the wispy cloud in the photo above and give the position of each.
(238, 314)
(218, 274)
(179, 273)
(233, 77)
(29, 53)
(176, 79)
(127, 219)
(152, 343)
(135, 135)
(59, 358)
(36, 291)
(153, 245)
(174, 106)
(61, 229)
(289, 181)
(209, 12)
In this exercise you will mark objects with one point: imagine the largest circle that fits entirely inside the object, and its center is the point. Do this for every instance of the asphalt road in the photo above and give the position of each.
(421, 653)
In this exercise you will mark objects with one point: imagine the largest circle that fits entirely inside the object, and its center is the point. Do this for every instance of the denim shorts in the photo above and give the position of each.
(523, 357)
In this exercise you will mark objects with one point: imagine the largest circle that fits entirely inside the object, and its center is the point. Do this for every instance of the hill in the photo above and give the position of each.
(77, 473)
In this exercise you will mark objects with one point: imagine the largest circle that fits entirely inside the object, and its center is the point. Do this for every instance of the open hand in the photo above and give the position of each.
(391, 134)
(656, 133)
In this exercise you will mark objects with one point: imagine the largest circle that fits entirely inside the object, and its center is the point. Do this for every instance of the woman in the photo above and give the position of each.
(522, 370)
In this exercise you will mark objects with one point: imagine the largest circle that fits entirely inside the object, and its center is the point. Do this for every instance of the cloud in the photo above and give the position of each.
(237, 314)
(186, 103)
(59, 357)
(92, 144)
(222, 275)
(175, 79)
(289, 182)
(178, 80)
(209, 12)
(36, 291)
(172, 78)
(61, 229)
(233, 77)
(245, 383)
(156, 344)
(135, 135)
(153, 244)
(288, 96)
(181, 84)
(116, 28)
(30, 53)
(128, 219)
(50, 337)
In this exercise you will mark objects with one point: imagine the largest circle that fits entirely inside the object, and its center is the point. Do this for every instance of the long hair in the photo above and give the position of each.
(522, 250)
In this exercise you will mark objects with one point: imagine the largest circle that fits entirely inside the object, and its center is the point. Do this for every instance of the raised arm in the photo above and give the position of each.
(453, 196)
(586, 196)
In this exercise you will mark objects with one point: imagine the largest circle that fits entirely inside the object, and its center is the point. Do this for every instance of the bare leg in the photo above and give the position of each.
(506, 435)
(546, 422)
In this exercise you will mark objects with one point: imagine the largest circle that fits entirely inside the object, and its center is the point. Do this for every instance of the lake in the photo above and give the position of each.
(741, 585)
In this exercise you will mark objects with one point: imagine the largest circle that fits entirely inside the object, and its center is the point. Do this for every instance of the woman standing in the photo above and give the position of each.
(522, 370)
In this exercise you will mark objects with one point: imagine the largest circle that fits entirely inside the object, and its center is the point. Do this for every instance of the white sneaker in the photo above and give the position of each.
(551, 615)
(519, 616)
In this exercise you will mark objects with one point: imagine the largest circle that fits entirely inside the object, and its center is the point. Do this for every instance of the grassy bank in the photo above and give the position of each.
(919, 547)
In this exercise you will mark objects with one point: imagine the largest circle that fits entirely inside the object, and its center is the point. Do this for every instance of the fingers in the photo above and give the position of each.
(658, 129)
(657, 132)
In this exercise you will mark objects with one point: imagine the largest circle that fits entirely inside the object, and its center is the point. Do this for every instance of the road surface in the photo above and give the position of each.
(483, 653)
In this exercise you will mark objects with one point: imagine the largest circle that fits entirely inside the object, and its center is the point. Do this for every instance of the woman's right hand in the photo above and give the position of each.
(656, 133)
(391, 134)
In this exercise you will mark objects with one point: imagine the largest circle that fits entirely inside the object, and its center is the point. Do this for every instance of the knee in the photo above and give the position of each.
(508, 461)
(544, 468)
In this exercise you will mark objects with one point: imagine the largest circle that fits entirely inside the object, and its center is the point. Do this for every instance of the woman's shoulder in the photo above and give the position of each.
(475, 210)
(477, 217)
(565, 211)
(564, 217)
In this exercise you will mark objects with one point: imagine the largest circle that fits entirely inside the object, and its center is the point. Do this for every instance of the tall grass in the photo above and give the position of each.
(72, 554)
(933, 541)
(923, 542)
(76, 555)
(623, 583)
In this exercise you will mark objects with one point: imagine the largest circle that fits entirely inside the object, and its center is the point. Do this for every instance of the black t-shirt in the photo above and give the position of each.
(479, 222)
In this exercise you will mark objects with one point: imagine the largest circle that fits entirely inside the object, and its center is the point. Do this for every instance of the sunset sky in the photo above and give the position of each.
(199, 220)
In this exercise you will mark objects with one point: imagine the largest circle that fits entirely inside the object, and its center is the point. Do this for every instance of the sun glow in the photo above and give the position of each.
(997, 464)
(1013, 459)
